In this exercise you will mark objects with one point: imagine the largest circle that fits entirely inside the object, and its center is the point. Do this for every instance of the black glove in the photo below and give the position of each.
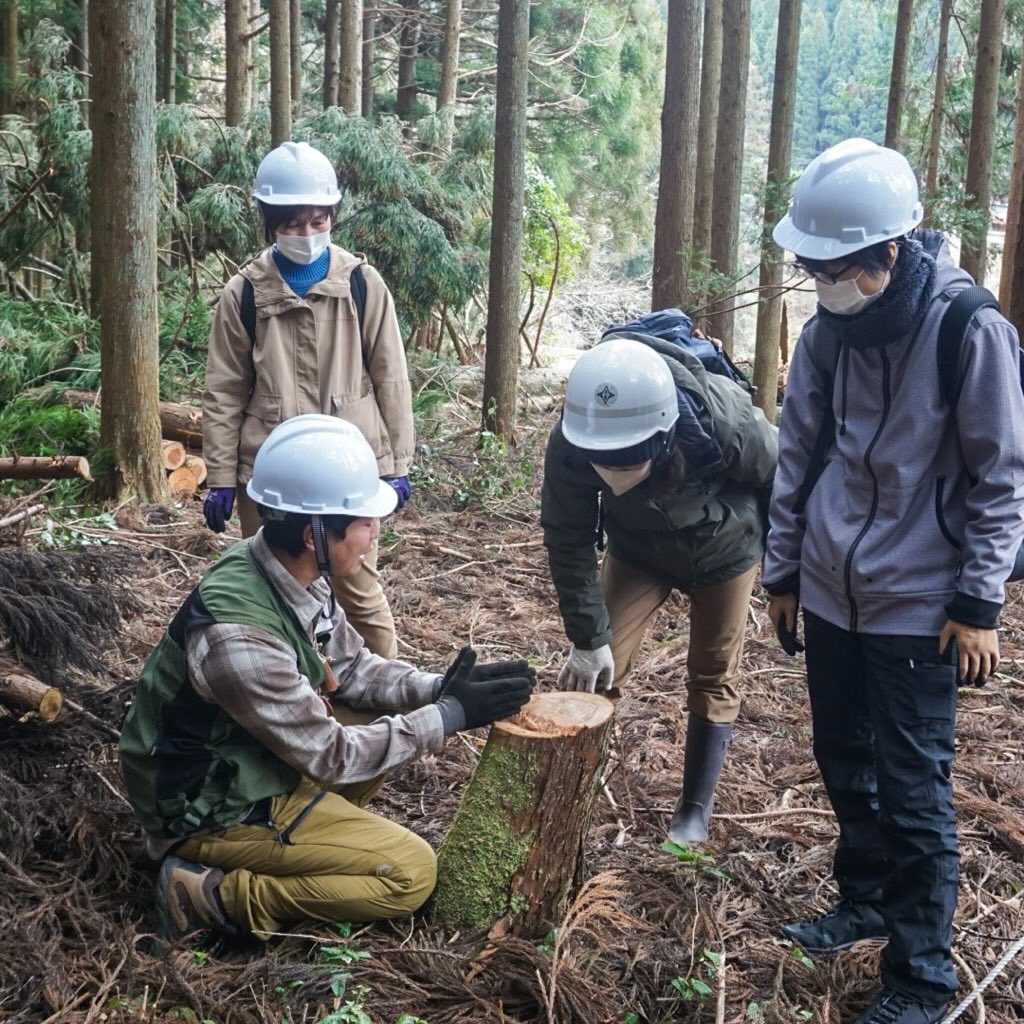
(466, 703)
(499, 669)
(787, 638)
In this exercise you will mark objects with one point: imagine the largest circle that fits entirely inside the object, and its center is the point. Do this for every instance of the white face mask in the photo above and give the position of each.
(845, 297)
(303, 249)
(622, 480)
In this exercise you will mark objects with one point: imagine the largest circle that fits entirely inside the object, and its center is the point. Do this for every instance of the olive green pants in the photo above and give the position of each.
(338, 863)
(361, 596)
(718, 619)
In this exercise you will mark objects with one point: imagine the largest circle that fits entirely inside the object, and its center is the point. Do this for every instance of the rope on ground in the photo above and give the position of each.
(1001, 965)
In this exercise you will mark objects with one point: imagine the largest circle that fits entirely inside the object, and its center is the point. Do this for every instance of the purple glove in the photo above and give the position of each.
(401, 486)
(217, 507)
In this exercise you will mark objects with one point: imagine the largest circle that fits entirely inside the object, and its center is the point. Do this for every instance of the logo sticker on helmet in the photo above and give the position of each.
(606, 394)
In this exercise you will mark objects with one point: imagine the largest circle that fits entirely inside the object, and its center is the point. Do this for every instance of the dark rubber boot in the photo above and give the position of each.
(706, 744)
(846, 923)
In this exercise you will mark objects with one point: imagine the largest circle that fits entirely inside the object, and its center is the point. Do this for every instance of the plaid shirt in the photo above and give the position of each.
(253, 676)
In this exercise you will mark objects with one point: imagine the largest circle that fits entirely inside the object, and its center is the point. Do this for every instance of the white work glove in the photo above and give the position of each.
(584, 670)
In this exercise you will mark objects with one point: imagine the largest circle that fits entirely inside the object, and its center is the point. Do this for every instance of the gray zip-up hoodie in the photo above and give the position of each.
(919, 512)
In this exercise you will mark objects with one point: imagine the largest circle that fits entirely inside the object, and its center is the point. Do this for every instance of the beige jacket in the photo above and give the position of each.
(307, 358)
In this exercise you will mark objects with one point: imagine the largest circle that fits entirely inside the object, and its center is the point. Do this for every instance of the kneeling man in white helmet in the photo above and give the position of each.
(675, 464)
(261, 723)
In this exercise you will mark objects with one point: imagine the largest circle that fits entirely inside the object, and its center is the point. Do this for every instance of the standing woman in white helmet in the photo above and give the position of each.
(895, 519)
(306, 327)
(674, 464)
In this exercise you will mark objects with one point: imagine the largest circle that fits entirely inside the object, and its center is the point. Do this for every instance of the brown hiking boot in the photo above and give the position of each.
(187, 900)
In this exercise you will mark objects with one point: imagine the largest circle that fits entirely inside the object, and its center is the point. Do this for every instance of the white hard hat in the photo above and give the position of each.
(620, 393)
(851, 196)
(296, 174)
(319, 466)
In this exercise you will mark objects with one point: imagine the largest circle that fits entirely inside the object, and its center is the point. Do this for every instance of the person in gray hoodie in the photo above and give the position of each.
(897, 552)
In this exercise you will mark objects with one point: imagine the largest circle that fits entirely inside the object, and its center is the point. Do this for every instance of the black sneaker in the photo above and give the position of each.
(896, 1008)
(846, 923)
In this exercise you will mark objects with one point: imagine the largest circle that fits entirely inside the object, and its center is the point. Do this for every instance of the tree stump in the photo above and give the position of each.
(516, 846)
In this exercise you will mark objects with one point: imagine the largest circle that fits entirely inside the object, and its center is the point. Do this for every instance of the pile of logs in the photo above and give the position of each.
(185, 472)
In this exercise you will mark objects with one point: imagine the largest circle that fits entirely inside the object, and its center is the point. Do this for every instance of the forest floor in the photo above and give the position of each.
(651, 938)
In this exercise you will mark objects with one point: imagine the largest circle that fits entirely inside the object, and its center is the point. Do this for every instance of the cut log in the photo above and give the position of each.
(198, 467)
(178, 422)
(23, 693)
(183, 482)
(173, 454)
(45, 467)
(515, 848)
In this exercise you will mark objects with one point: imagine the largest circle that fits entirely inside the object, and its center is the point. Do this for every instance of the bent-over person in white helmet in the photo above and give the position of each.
(306, 327)
(261, 723)
(895, 520)
(674, 464)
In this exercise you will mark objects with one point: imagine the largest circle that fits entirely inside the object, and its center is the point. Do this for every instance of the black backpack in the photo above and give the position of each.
(952, 331)
(356, 281)
(675, 326)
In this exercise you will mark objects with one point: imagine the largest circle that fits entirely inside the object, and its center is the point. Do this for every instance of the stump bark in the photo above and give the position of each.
(516, 846)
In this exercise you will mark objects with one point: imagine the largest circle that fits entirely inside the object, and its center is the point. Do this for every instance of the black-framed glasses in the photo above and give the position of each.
(820, 275)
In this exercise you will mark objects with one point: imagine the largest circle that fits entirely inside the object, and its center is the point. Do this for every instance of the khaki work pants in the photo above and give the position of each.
(341, 863)
(361, 596)
(718, 619)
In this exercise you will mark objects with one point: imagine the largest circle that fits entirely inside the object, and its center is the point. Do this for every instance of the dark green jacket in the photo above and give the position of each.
(693, 527)
(187, 765)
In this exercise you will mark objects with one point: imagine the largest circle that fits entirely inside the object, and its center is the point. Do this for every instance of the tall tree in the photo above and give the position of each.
(448, 83)
(81, 44)
(732, 105)
(169, 61)
(501, 361)
(780, 147)
(10, 69)
(350, 74)
(236, 60)
(295, 54)
(978, 180)
(408, 48)
(369, 41)
(280, 73)
(898, 75)
(124, 196)
(1011, 281)
(931, 173)
(332, 30)
(707, 129)
(673, 223)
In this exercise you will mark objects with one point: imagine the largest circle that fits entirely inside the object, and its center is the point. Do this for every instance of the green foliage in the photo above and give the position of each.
(549, 227)
(695, 985)
(31, 429)
(696, 860)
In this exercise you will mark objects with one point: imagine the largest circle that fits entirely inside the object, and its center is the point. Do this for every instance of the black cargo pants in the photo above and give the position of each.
(883, 709)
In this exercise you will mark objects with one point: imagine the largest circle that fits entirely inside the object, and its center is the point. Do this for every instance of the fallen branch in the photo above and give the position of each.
(45, 467)
(22, 693)
(17, 517)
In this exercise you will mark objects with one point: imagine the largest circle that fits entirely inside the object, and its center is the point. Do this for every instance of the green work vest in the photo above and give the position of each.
(187, 765)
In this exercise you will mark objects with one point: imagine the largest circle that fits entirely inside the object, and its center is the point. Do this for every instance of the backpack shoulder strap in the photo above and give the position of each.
(826, 365)
(247, 309)
(357, 285)
(952, 328)
(247, 304)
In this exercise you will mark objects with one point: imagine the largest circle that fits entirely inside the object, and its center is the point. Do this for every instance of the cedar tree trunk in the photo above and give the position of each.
(123, 173)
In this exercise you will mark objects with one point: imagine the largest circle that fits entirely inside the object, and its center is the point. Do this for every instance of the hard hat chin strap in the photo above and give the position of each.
(323, 557)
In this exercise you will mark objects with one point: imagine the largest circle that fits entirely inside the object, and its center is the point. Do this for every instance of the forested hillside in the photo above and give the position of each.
(511, 178)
